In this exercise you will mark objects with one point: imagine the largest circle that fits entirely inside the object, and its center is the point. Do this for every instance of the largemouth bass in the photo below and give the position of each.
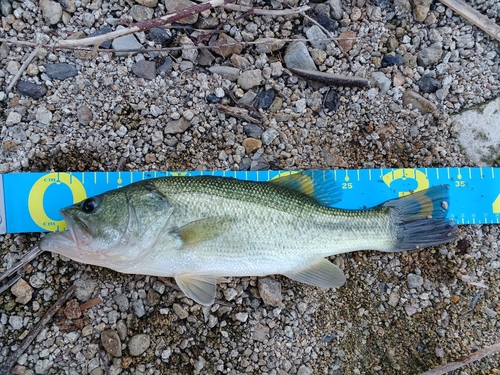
(197, 229)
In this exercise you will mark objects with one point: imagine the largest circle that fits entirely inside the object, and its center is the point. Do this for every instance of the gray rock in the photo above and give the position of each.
(380, 80)
(148, 3)
(51, 11)
(304, 370)
(226, 72)
(419, 102)
(177, 126)
(318, 38)
(226, 46)
(16, 322)
(138, 307)
(430, 55)
(166, 66)
(126, 42)
(477, 132)
(270, 291)
(13, 118)
(68, 5)
(297, 56)
(177, 5)
(260, 332)
(180, 311)
(414, 281)
(33, 90)
(259, 163)
(88, 19)
(121, 329)
(13, 67)
(60, 71)
(144, 69)
(84, 289)
(428, 84)
(230, 294)
(420, 9)
(253, 130)
(269, 136)
(160, 35)
(4, 50)
(5, 7)
(250, 78)
(122, 302)
(138, 344)
(141, 13)
(268, 45)
(18, 132)
(43, 115)
(111, 343)
(336, 9)
(84, 115)
(189, 52)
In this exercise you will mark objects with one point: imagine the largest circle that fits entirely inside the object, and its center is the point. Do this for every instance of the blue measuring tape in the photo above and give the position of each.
(29, 202)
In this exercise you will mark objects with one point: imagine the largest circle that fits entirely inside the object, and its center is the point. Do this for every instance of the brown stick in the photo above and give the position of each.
(23, 67)
(331, 79)
(5, 370)
(237, 112)
(28, 257)
(146, 25)
(480, 354)
(474, 17)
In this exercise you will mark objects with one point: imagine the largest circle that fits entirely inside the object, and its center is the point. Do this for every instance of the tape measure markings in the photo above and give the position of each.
(474, 192)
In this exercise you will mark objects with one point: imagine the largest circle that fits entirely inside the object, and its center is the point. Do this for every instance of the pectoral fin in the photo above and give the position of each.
(202, 230)
(198, 287)
(321, 273)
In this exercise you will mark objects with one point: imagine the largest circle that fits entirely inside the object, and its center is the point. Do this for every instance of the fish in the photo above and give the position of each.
(199, 229)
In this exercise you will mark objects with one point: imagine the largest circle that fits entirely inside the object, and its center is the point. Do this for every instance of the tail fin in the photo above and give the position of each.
(419, 220)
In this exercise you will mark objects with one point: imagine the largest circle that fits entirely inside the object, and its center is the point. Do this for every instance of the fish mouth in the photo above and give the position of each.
(79, 229)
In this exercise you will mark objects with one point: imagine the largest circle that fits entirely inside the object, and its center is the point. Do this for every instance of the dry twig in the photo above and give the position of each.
(480, 354)
(146, 25)
(32, 254)
(331, 79)
(5, 369)
(237, 112)
(23, 68)
(474, 17)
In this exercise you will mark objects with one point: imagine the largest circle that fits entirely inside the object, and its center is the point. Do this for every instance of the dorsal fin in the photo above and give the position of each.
(318, 184)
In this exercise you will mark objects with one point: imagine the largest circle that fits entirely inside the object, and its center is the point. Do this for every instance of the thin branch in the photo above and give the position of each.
(5, 369)
(331, 79)
(237, 112)
(144, 50)
(146, 25)
(480, 354)
(267, 12)
(32, 254)
(23, 68)
(473, 16)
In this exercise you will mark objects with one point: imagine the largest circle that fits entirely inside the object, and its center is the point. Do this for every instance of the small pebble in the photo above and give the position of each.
(111, 343)
(270, 291)
(72, 310)
(23, 291)
(414, 281)
(138, 344)
(84, 115)
(144, 69)
(33, 90)
(60, 71)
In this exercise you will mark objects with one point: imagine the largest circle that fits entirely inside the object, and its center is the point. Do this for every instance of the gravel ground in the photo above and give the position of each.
(397, 314)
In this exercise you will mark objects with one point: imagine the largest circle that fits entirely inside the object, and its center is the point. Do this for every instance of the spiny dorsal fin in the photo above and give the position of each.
(321, 273)
(318, 184)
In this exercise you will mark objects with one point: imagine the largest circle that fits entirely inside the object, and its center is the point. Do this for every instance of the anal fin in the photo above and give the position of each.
(321, 273)
(198, 287)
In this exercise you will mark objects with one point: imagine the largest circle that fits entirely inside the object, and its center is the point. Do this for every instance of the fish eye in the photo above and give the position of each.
(89, 205)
